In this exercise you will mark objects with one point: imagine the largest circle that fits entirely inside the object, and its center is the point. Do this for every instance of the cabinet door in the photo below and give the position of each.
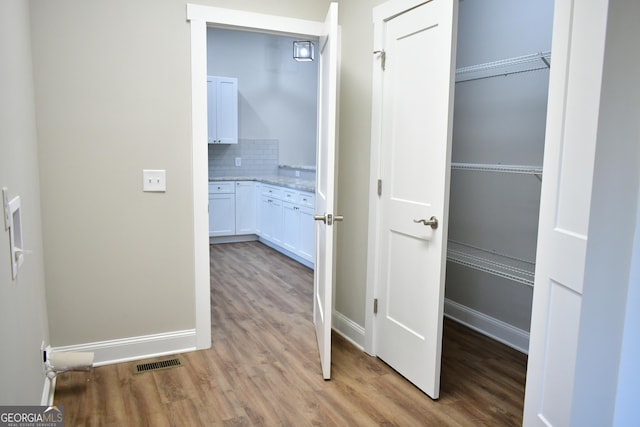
(258, 201)
(306, 234)
(266, 222)
(272, 219)
(222, 110)
(227, 110)
(245, 207)
(290, 226)
(211, 110)
(222, 214)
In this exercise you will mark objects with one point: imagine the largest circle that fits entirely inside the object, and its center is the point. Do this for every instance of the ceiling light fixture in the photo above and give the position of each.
(303, 50)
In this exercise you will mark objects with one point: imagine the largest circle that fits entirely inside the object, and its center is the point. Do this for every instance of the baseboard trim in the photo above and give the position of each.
(348, 329)
(497, 329)
(136, 348)
(214, 240)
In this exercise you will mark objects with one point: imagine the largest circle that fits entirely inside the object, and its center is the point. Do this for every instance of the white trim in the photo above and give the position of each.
(391, 9)
(136, 348)
(497, 329)
(349, 329)
(214, 240)
(199, 17)
(48, 392)
(200, 168)
(254, 21)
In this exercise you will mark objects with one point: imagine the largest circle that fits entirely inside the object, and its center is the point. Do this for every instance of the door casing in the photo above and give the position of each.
(200, 17)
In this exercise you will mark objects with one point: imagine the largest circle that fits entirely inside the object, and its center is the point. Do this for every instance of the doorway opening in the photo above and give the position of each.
(262, 186)
(493, 187)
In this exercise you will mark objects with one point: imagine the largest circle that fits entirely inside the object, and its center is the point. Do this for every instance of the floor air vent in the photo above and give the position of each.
(156, 366)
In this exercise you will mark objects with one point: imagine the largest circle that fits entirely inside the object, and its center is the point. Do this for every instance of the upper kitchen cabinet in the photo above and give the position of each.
(222, 110)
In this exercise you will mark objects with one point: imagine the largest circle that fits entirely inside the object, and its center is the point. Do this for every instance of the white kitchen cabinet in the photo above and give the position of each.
(258, 202)
(307, 234)
(222, 110)
(222, 221)
(222, 208)
(272, 219)
(291, 226)
(245, 209)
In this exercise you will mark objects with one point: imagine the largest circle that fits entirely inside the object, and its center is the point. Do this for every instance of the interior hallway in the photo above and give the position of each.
(263, 368)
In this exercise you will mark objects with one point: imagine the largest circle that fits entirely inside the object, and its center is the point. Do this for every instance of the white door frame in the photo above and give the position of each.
(199, 17)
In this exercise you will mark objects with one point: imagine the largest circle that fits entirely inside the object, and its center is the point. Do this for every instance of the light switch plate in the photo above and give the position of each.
(154, 180)
(238, 161)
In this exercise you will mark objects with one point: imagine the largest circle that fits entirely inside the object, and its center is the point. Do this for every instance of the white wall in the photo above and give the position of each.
(23, 315)
(113, 96)
(112, 84)
(277, 96)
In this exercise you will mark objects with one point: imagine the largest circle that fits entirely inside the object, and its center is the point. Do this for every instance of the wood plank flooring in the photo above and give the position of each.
(263, 368)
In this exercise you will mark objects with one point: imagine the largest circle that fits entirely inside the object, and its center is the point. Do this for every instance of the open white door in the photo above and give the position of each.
(413, 107)
(579, 34)
(325, 217)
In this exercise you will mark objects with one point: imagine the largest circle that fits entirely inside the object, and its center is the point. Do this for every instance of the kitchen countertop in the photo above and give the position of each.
(283, 181)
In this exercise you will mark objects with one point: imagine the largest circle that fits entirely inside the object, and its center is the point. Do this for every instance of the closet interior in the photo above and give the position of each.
(502, 78)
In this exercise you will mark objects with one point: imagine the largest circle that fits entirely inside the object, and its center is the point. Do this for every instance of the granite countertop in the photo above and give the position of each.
(283, 181)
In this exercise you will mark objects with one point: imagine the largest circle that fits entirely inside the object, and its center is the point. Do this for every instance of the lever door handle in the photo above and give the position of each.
(431, 222)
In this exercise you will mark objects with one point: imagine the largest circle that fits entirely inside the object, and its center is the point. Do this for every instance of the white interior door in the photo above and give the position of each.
(579, 34)
(327, 95)
(416, 105)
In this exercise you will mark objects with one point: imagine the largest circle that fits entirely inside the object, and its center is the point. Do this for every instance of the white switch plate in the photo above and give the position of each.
(238, 161)
(154, 180)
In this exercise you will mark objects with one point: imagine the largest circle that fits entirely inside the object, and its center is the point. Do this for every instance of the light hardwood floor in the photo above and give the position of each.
(263, 368)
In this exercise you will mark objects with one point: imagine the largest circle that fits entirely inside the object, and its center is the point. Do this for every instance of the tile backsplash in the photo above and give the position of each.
(259, 157)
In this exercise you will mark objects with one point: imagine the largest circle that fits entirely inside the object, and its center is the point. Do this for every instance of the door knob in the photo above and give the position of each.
(432, 222)
(328, 218)
(322, 218)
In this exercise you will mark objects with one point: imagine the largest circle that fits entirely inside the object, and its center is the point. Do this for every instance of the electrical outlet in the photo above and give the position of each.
(238, 161)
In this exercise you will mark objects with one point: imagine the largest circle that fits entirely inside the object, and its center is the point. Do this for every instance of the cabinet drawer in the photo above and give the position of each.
(306, 199)
(290, 196)
(271, 191)
(221, 187)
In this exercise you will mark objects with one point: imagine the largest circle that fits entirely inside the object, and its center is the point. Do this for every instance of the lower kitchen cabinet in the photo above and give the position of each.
(280, 216)
(271, 219)
(222, 212)
(245, 207)
(307, 234)
(291, 230)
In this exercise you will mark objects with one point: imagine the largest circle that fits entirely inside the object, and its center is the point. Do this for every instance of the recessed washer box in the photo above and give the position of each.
(15, 232)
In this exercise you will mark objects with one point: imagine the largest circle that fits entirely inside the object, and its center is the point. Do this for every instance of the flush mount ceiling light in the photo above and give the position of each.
(303, 50)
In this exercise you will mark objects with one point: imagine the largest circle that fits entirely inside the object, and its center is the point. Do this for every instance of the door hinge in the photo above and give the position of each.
(379, 187)
(383, 57)
(375, 306)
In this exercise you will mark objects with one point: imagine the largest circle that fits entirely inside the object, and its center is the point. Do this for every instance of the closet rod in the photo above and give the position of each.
(504, 67)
